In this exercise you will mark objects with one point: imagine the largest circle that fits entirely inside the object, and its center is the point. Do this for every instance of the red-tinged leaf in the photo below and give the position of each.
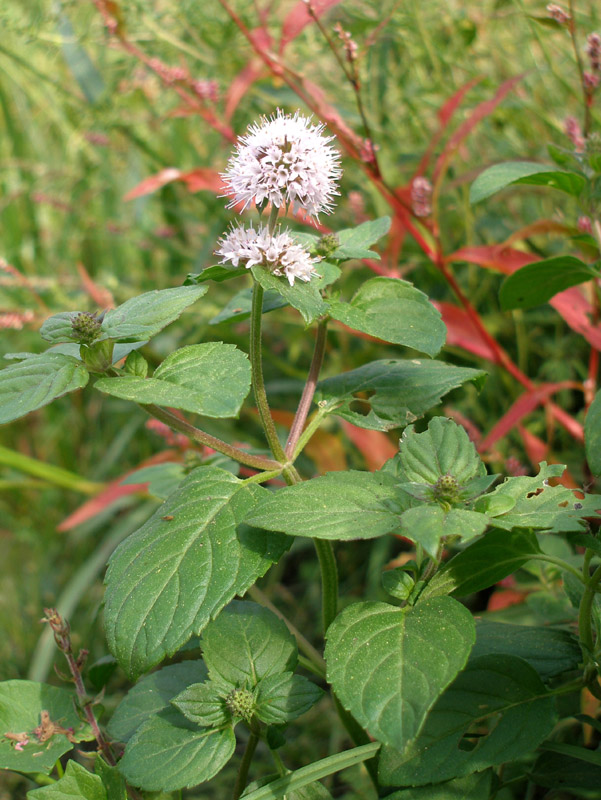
(576, 310)
(240, 86)
(99, 295)
(504, 598)
(477, 115)
(445, 115)
(573, 427)
(535, 228)
(260, 38)
(298, 19)
(535, 448)
(374, 446)
(113, 492)
(524, 405)
(196, 180)
(462, 332)
(498, 257)
(351, 141)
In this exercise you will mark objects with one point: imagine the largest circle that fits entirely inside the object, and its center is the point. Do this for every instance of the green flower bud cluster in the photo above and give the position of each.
(241, 703)
(86, 326)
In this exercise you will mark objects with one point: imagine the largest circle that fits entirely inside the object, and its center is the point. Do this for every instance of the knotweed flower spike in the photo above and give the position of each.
(285, 161)
(279, 253)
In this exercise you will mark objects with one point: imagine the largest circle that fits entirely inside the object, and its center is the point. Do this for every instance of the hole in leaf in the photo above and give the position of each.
(361, 404)
(535, 493)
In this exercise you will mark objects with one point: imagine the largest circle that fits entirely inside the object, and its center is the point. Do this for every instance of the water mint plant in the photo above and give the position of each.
(423, 697)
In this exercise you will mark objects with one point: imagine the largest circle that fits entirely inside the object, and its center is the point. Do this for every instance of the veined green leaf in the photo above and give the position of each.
(499, 176)
(355, 242)
(472, 787)
(428, 524)
(394, 392)
(592, 435)
(395, 311)
(167, 580)
(284, 697)
(211, 379)
(203, 704)
(388, 665)
(239, 307)
(77, 783)
(537, 283)
(305, 297)
(444, 449)
(38, 380)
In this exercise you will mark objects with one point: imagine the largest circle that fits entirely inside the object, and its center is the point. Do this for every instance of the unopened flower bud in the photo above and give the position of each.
(590, 81)
(574, 133)
(241, 703)
(585, 224)
(86, 327)
(446, 489)
(421, 195)
(593, 51)
(327, 245)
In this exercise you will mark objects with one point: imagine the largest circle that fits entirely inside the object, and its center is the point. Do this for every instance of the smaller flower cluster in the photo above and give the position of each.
(288, 162)
(278, 252)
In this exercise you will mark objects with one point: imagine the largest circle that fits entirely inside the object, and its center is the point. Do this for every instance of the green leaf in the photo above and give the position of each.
(163, 479)
(153, 694)
(312, 791)
(398, 583)
(472, 787)
(211, 379)
(166, 757)
(112, 779)
(388, 666)
(218, 272)
(167, 580)
(592, 435)
(203, 704)
(501, 691)
(499, 176)
(79, 62)
(284, 697)
(37, 381)
(239, 307)
(21, 707)
(427, 525)
(313, 772)
(537, 283)
(77, 783)
(536, 505)
(355, 242)
(142, 317)
(245, 644)
(483, 563)
(394, 392)
(567, 770)
(305, 297)
(339, 505)
(549, 650)
(59, 327)
(395, 311)
(443, 449)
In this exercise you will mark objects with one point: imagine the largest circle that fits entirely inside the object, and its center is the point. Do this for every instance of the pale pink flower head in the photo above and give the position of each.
(421, 195)
(278, 252)
(558, 14)
(285, 161)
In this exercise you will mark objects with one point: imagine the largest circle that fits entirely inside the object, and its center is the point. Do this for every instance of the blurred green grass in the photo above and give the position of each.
(82, 123)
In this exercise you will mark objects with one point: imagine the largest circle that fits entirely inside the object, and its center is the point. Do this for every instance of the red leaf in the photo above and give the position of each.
(497, 256)
(477, 115)
(504, 598)
(298, 19)
(374, 446)
(535, 448)
(196, 180)
(240, 86)
(462, 332)
(576, 310)
(99, 295)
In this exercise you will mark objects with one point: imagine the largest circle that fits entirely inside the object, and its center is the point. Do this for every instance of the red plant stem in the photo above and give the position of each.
(307, 396)
(586, 127)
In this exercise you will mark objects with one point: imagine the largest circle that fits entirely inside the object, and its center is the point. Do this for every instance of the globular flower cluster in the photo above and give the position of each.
(287, 162)
(278, 252)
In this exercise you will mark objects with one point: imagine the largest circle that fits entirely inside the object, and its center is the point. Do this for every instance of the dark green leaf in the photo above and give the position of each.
(389, 665)
(499, 176)
(394, 311)
(284, 697)
(211, 379)
(339, 505)
(101, 671)
(245, 644)
(166, 757)
(549, 650)
(305, 297)
(28, 385)
(218, 272)
(537, 283)
(472, 787)
(203, 704)
(142, 317)
(59, 328)
(483, 563)
(443, 449)
(167, 580)
(239, 307)
(355, 242)
(153, 694)
(21, 707)
(112, 779)
(592, 435)
(568, 770)
(76, 784)
(398, 583)
(428, 524)
(500, 690)
(394, 392)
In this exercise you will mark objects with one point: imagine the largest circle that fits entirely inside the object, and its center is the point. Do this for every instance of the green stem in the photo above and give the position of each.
(48, 472)
(359, 737)
(257, 374)
(304, 405)
(329, 580)
(559, 562)
(249, 752)
(307, 434)
(196, 435)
